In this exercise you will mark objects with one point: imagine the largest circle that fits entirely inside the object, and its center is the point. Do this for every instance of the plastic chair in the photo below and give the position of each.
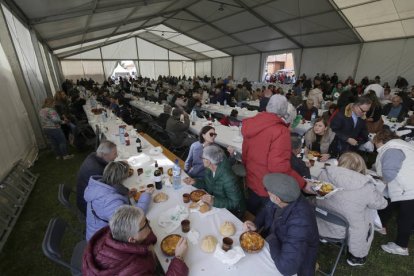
(337, 219)
(64, 194)
(52, 242)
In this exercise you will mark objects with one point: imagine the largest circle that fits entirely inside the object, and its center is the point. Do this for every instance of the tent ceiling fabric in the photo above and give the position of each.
(202, 29)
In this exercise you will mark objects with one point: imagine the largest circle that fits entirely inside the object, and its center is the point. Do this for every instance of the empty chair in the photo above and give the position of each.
(334, 218)
(64, 195)
(52, 243)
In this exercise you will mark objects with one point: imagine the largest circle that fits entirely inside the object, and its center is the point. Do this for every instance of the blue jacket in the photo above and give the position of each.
(105, 200)
(294, 238)
(194, 164)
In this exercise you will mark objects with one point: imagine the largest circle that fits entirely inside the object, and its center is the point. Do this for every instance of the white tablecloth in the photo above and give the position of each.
(226, 136)
(226, 110)
(199, 263)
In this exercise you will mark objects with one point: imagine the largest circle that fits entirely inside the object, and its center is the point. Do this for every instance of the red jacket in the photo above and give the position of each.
(266, 149)
(105, 256)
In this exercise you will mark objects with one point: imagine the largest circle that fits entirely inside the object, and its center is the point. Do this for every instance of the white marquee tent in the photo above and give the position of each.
(43, 41)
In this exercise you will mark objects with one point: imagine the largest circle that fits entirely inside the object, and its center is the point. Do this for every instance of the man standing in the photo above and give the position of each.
(94, 164)
(266, 149)
(293, 236)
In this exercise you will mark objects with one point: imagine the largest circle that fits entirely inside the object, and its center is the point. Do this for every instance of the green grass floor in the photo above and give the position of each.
(22, 254)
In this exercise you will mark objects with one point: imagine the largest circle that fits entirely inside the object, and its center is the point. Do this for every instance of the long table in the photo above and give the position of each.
(226, 136)
(199, 263)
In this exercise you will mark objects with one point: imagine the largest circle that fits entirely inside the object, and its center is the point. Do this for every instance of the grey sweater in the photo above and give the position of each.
(391, 164)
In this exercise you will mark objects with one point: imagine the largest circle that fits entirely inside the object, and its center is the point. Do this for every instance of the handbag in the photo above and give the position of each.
(374, 127)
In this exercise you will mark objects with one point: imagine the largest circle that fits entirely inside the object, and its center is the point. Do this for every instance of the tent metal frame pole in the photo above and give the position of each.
(169, 69)
(361, 46)
(40, 62)
(50, 66)
(261, 65)
(232, 66)
(136, 48)
(211, 68)
(103, 67)
(300, 63)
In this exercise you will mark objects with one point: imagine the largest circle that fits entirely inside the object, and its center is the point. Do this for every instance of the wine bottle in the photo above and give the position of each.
(157, 177)
(127, 141)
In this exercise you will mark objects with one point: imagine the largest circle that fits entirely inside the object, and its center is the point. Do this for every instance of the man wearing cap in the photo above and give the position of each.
(293, 233)
(266, 149)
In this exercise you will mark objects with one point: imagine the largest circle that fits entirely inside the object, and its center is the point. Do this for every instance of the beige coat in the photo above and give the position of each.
(356, 203)
(317, 96)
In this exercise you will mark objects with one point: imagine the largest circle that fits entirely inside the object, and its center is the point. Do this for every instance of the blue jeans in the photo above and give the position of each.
(58, 140)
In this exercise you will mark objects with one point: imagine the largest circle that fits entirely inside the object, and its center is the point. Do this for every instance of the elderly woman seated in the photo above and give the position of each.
(104, 194)
(356, 202)
(126, 247)
(219, 182)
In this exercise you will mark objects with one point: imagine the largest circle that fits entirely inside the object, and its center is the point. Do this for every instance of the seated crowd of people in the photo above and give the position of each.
(278, 191)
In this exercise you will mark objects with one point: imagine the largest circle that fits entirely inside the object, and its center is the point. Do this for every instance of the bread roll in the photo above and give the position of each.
(227, 229)
(208, 244)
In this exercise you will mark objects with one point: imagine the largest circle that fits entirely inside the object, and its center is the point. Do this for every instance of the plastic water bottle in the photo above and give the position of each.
(176, 175)
(313, 118)
(104, 116)
(121, 135)
(93, 102)
(225, 102)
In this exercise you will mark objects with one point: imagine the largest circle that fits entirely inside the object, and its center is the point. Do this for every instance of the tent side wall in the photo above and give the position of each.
(387, 59)
(23, 91)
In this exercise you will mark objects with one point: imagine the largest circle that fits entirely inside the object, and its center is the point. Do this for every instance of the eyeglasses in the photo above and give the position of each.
(212, 134)
(145, 225)
(363, 111)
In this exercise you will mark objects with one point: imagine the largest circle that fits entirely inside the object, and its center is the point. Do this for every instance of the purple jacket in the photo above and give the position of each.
(105, 256)
(105, 200)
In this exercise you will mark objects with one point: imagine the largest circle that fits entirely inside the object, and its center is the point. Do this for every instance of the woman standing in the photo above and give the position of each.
(320, 139)
(395, 163)
(51, 124)
(194, 164)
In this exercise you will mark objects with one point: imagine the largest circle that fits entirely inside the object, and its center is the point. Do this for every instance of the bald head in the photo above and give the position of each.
(396, 101)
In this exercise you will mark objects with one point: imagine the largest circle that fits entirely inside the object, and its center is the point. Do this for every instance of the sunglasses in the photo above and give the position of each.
(212, 134)
(145, 225)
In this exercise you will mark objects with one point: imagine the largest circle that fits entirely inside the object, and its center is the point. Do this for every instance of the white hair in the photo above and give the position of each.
(278, 105)
(124, 223)
(105, 147)
(214, 154)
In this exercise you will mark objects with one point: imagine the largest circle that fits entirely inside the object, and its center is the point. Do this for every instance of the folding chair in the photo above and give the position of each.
(64, 197)
(179, 150)
(160, 135)
(337, 219)
(52, 242)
